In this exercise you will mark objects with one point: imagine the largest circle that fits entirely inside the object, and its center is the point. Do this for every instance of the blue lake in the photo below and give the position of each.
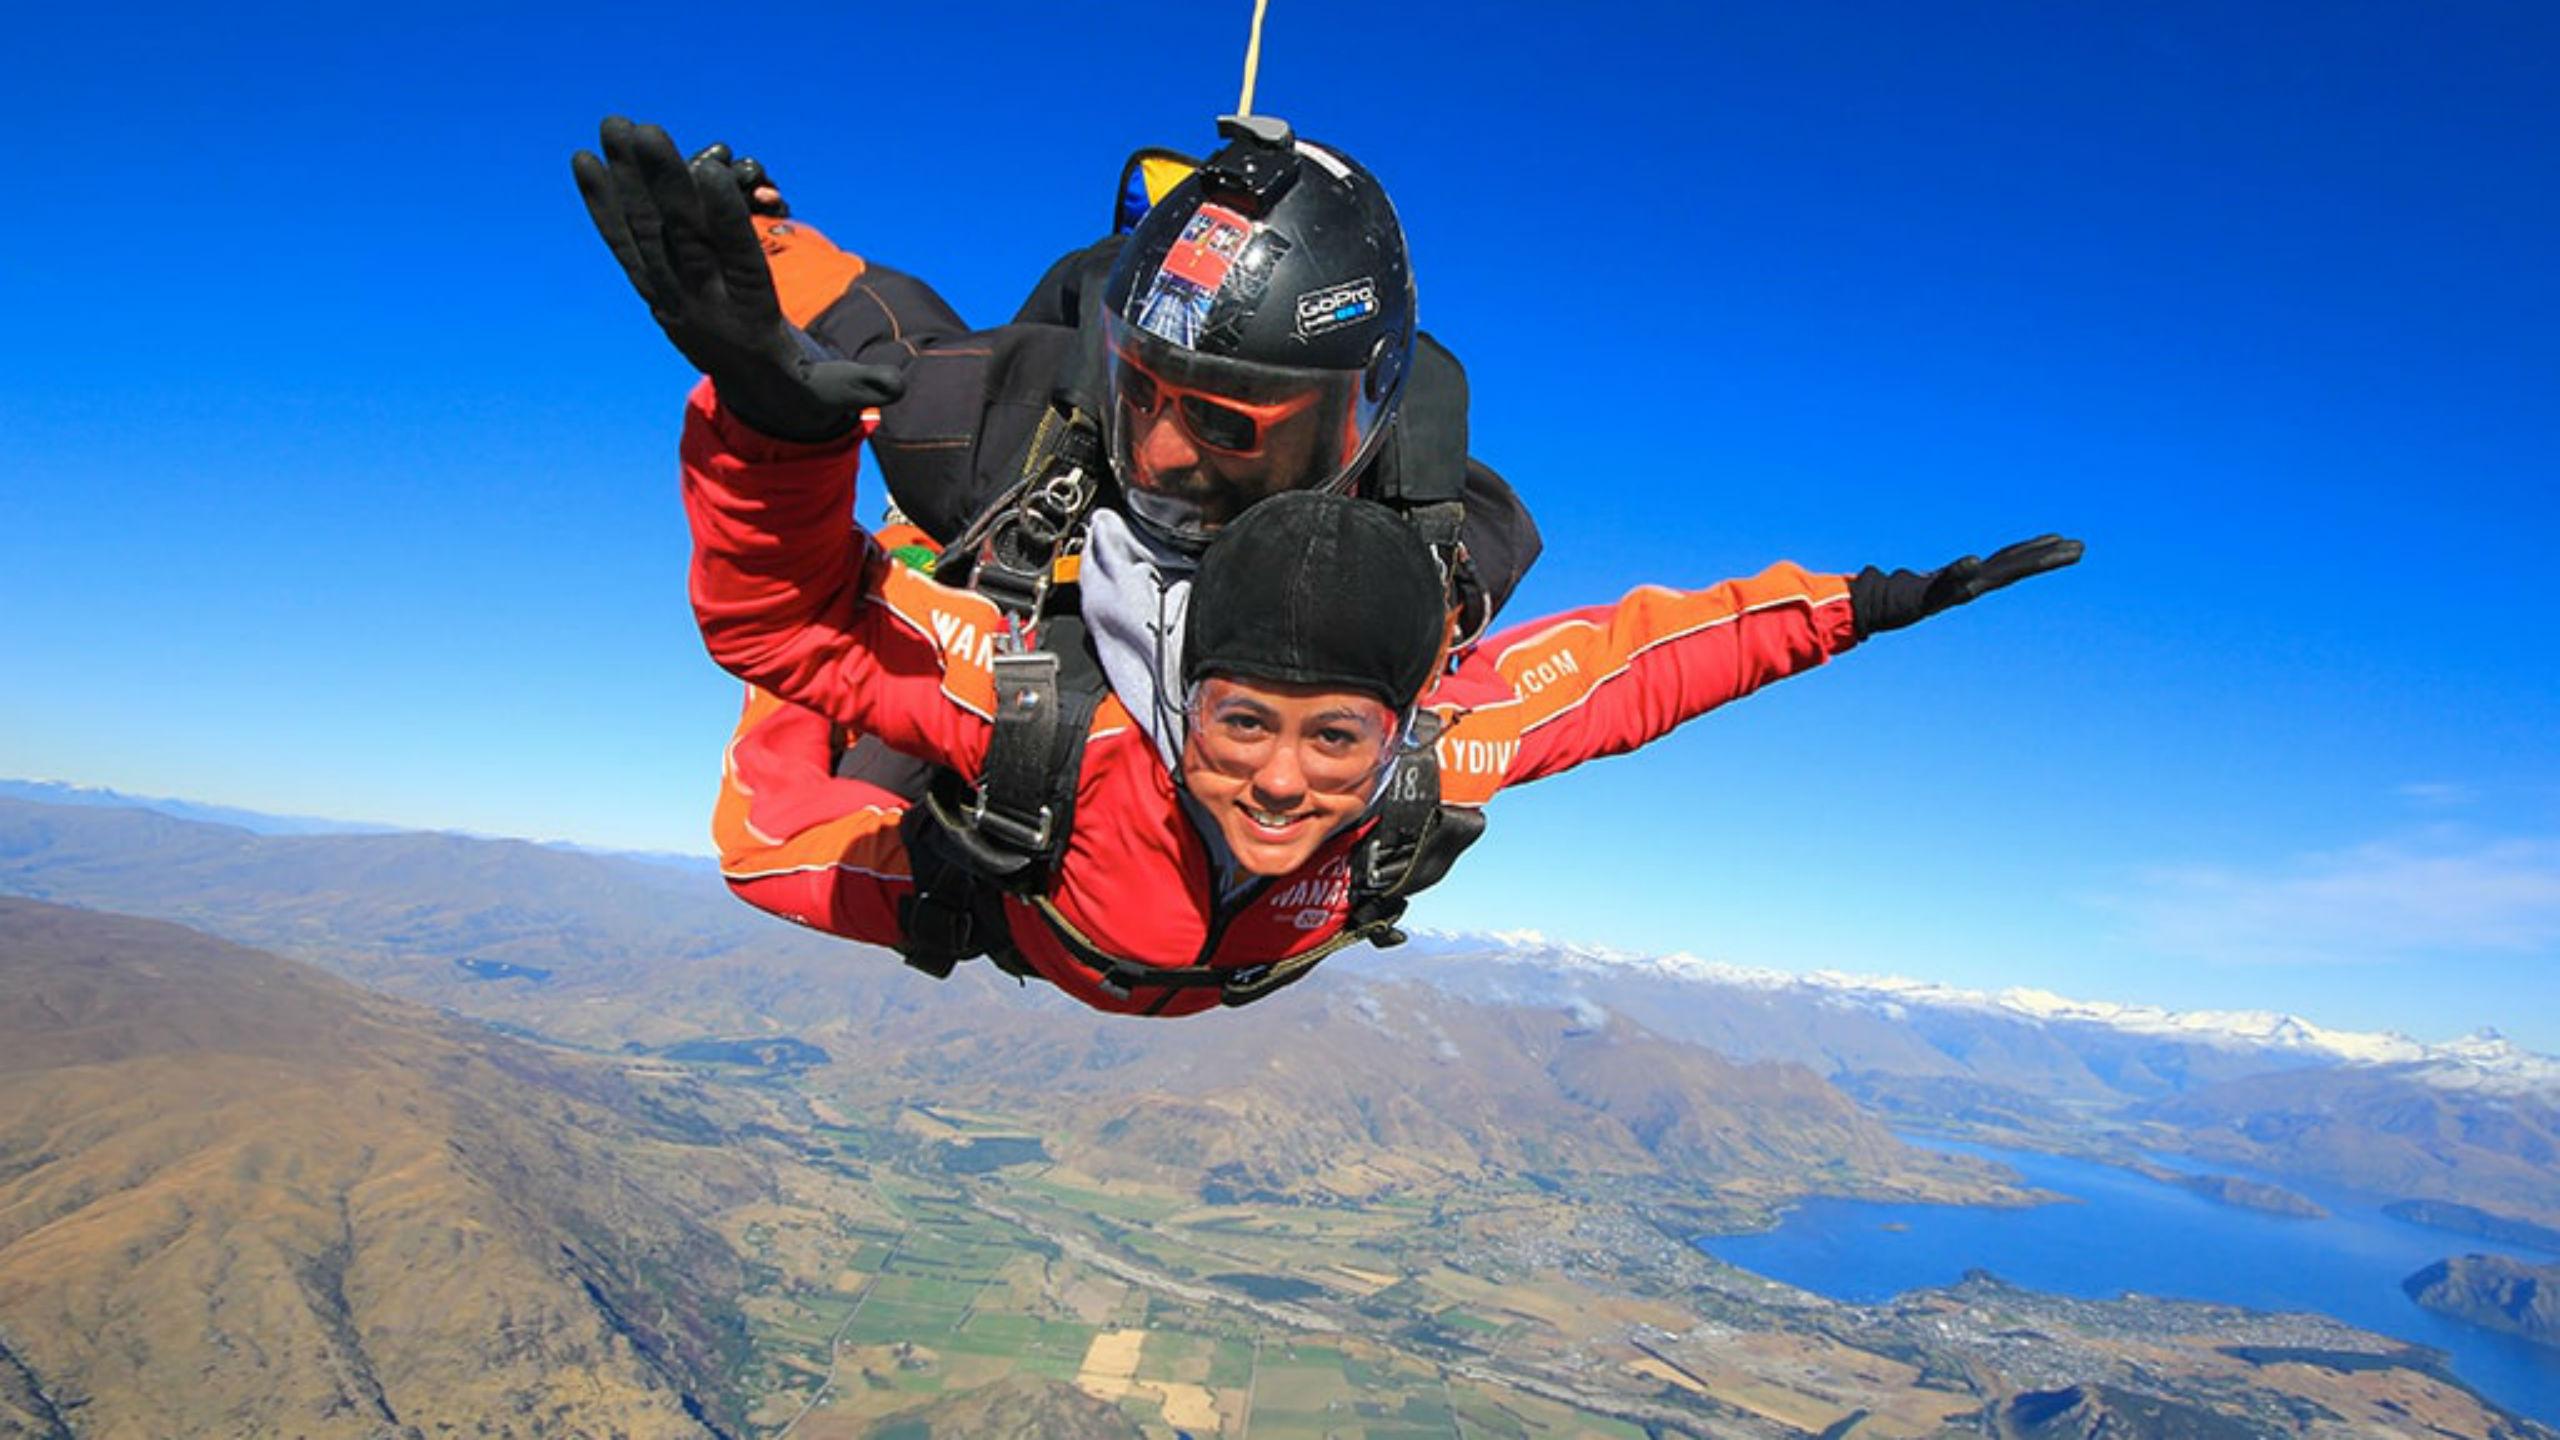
(2130, 1233)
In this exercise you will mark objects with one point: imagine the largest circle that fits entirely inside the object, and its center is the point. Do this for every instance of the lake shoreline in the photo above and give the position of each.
(2136, 1231)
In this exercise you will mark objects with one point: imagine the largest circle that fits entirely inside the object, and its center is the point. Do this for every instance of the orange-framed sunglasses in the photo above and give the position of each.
(1219, 422)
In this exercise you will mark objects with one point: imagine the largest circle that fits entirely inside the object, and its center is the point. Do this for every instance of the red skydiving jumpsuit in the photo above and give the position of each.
(808, 610)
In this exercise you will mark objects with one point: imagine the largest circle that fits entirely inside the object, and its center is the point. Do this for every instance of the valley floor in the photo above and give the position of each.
(907, 1298)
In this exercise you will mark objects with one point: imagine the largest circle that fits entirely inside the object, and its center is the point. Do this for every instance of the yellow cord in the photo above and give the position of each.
(1252, 58)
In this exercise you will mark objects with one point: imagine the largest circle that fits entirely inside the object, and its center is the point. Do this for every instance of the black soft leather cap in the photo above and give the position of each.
(1318, 589)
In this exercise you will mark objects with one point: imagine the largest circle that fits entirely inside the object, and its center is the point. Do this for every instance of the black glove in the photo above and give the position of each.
(751, 178)
(1878, 601)
(683, 236)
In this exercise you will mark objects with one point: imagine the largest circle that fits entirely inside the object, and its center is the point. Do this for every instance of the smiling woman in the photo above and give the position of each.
(1279, 768)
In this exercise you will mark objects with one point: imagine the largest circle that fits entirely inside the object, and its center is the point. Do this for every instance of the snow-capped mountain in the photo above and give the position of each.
(2484, 1060)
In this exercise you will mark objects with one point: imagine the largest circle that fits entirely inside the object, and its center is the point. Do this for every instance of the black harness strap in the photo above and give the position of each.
(971, 845)
(1239, 985)
(1416, 839)
(1010, 553)
(1421, 470)
(1424, 458)
(955, 914)
(1013, 823)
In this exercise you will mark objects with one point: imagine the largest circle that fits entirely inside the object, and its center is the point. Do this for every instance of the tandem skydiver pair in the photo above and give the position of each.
(1198, 689)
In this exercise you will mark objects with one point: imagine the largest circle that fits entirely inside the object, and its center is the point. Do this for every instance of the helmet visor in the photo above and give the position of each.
(1196, 438)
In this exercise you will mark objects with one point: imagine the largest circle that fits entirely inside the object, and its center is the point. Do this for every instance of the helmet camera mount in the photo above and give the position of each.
(1255, 167)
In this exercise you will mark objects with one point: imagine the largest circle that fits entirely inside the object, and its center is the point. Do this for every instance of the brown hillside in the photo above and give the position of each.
(238, 1196)
(2385, 1132)
(1343, 1094)
(593, 949)
(2496, 1291)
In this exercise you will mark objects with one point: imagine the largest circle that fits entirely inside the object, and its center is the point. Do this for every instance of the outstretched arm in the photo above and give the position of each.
(954, 440)
(1604, 681)
(790, 595)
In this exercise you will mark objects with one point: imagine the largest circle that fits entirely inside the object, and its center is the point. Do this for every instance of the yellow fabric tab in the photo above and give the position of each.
(1162, 173)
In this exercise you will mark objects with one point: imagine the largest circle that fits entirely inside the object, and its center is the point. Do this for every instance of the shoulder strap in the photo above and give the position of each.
(1013, 551)
(1416, 840)
(1425, 461)
(1013, 824)
(971, 845)
(1422, 471)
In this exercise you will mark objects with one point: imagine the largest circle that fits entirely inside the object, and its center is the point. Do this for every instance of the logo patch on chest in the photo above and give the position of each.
(1312, 901)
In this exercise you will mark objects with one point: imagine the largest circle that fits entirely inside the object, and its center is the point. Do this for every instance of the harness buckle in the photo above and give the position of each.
(1013, 830)
(1017, 592)
(1382, 866)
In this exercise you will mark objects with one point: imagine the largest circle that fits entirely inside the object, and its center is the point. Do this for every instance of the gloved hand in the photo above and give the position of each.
(1879, 601)
(763, 196)
(683, 236)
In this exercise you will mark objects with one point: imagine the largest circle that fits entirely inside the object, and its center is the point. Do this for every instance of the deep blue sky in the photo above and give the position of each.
(342, 477)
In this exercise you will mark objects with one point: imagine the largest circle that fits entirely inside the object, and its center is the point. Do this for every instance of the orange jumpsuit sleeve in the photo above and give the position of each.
(798, 841)
(1604, 680)
(809, 272)
(792, 597)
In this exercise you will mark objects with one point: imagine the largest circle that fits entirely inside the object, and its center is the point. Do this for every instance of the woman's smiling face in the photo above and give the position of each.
(1281, 768)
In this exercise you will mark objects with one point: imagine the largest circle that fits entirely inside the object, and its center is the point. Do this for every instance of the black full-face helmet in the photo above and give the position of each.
(1260, 322)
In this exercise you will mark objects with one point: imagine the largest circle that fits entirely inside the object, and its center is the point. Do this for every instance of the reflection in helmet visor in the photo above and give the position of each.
(1255, 430)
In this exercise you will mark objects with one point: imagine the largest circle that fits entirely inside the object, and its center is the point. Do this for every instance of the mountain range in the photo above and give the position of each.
(56, 792)
(2483, 1060)
(2475, 1122)
(613, 954)
(261, 822)
(608, 952)
(221, 1162)
(590, 948)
